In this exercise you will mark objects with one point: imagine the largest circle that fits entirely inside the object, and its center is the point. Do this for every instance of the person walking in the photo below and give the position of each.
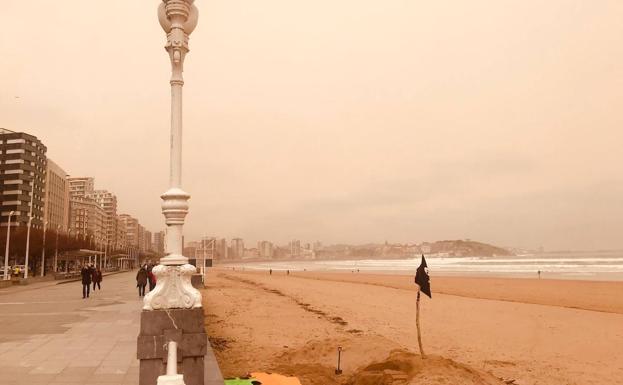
(141, 281)
(86, 275)
(151, 277)
(97, 278)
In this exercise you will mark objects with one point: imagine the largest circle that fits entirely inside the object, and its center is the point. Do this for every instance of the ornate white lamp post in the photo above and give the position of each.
(178, 18)
(174, 301)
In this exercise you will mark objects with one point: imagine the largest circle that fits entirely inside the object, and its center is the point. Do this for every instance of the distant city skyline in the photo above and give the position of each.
(405, 121)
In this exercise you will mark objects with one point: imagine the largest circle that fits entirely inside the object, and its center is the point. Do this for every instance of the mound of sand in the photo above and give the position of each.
(403, 367)
(314, 365)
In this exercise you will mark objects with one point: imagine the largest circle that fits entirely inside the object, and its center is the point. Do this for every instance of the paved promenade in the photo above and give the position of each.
(50, 335)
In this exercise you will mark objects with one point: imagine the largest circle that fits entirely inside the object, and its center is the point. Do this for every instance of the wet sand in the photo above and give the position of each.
(481, 331)
(579, 294)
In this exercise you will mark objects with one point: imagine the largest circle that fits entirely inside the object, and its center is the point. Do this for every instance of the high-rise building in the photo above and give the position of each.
(295, 248)
(108, 202)
(81, 186)
(120, 241)
(159, 238)
(237, 248)
(141, 238)
(23, 167)
(56, 202)
(132, 230)
(221, 250)
(87, 218)
(265, 249)
(147, 240)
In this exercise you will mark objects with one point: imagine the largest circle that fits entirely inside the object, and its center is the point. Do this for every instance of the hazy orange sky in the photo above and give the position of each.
(339, 121)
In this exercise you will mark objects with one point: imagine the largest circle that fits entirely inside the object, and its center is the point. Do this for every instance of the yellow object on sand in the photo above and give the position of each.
(275, 379)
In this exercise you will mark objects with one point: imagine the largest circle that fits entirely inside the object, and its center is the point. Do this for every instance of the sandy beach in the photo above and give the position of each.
(475, 330)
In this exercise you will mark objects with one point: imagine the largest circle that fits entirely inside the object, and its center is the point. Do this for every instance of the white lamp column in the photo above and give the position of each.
(178, 18)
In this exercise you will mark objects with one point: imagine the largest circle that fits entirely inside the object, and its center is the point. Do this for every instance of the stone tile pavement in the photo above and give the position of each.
(53, 336)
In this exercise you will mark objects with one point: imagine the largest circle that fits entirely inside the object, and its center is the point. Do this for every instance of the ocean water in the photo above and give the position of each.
(578, 265)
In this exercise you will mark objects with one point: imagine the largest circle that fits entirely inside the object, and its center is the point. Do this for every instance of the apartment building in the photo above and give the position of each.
(56, 198)
(23, 167)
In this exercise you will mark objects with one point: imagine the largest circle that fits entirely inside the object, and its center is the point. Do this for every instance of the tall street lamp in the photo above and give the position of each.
(105, 251)
(90, 245)
(178, 18)
(71, 242)
(45, 224)
(174, 300)
(58, 229)
(6, 251)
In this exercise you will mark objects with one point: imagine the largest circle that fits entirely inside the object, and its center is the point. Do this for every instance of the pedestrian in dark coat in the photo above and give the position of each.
(97, 278)
(141, 281)
(86, 275)
(151, 277)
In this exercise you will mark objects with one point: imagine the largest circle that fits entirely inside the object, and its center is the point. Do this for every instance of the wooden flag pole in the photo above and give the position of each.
(417, 322)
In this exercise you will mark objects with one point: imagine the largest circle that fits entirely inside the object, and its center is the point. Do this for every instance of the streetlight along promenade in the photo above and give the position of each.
(174, 301)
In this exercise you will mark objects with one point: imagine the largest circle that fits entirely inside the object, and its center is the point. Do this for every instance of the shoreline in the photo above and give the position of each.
(549, 292)
(545, 274)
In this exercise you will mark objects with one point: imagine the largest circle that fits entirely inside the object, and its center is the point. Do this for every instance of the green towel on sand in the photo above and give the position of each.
(242, 381)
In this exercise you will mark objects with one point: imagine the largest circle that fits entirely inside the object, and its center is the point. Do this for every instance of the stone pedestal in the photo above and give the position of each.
(184, 326)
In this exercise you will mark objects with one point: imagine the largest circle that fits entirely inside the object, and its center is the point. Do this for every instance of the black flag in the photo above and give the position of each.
(422, 278)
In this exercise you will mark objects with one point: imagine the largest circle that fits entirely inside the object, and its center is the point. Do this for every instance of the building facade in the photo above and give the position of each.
(56, 201)
(295, 248)
(265, 249)
(87, 219)
(222, 251)
(147, 240)
(131, 228)
(237, 248)
(108, 202)
(81, 186)
(140, 243)
(159, 239)
(120, 241)
(23, 167)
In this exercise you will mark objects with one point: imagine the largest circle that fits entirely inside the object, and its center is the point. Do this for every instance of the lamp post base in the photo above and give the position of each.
(175, 379)
(174, 289)
(186, 328)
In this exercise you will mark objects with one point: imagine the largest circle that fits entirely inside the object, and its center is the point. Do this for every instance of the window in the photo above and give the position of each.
(12, 192)
(13, 141)
(16, 151)
(6, 213)
(13, 181)
(14, 161)
(10, 203)
(18, 171)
